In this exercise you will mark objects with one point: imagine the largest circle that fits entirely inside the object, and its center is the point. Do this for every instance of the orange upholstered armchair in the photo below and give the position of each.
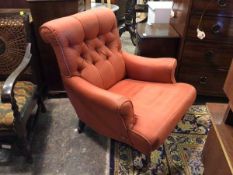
(132, 99)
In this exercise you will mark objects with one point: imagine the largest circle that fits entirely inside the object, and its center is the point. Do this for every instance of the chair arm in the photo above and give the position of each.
(148, 69)
(7, 95)
(100, 100)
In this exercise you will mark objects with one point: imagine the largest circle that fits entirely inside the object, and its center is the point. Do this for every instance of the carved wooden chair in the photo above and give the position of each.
(18, 98)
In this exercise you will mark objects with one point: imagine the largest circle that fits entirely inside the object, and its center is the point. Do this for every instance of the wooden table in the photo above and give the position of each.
(113, 7)
(156, 40)
(218, 150)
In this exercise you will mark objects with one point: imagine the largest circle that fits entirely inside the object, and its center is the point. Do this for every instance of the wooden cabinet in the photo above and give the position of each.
(204, 63)
(217, 29)
(13, 4)
(217, 7)
(157, 40)
(217, 155)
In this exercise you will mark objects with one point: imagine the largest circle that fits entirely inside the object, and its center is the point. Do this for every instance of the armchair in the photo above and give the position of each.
(18, 98)
(129, 98)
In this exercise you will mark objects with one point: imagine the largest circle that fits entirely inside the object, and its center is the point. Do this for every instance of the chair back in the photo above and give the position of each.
(87, 44)
(13, 40)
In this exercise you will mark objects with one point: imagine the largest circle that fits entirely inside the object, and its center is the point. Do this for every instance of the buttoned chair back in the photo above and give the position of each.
(88, 46)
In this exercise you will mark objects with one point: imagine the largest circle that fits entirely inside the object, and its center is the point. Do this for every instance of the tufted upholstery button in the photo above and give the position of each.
(82, 55)
(107, 44)
(79, 69)
(89, 61)
(97, 49)
(95, 62)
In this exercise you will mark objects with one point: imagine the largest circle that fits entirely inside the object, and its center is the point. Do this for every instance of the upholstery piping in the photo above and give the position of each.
(141, 135)
(53, 32)
(173, 72)
(63, 55)
(123, 121)
(134, 122)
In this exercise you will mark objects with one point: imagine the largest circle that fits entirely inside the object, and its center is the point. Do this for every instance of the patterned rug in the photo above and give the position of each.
(180, 154)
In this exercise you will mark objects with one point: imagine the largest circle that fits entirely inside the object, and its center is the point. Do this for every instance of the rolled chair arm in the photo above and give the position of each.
(7, 95)
(97, 99)
(150, 69)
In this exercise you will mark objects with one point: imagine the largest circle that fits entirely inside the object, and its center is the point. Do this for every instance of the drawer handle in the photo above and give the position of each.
(222, 70)
(203, 80)
(222, 3)
(216, 28)
(209, 54)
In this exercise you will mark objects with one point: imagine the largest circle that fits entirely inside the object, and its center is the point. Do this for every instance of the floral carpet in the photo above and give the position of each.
(180, 154)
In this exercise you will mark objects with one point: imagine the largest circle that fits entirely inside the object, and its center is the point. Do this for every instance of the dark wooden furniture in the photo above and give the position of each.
(218, 150)
(157, 40)
(43, 11)
(130, 18)
(19, 87)
(228, 89)
(13, 4)
(204, 63)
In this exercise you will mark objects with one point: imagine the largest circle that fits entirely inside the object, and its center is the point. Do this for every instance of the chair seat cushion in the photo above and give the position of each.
(24, 92)
(157, 106)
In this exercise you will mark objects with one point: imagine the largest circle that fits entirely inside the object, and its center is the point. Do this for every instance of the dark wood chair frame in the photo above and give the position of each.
(23, 124)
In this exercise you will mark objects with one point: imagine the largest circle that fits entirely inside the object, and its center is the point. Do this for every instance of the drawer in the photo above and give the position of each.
(217, 7)
(216, 28)
(206, 82)
(213, 56)
(165, 47)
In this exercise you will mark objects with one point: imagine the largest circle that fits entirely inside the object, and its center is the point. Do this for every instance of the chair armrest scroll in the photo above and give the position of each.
(150, 69)
(7, 95)
(98, 100)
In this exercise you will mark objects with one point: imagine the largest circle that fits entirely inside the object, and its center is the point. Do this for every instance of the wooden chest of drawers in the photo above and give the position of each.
(204, 63)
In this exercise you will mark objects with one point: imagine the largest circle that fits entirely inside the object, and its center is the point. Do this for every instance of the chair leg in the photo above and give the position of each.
(25, 149)
(133, 35)
(34, 119)
(41, 105)
(122, 30)
(81, 126)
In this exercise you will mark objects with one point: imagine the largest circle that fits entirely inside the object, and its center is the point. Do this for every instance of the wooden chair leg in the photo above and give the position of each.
(122, 30)
(41, 105)
(81, 126)
(25, 149)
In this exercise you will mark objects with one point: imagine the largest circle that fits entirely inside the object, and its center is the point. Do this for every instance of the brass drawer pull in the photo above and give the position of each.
(216, 28)
(209, 54)
(222, 3)
(203, 80)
